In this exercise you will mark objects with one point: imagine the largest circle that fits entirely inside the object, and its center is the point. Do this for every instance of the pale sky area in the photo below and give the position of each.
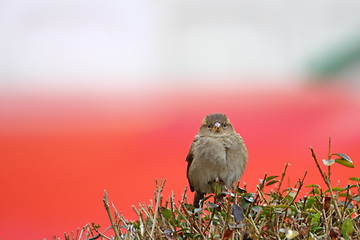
(69, 44)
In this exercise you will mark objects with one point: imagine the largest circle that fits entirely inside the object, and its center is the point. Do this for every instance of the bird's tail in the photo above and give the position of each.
(197, 198)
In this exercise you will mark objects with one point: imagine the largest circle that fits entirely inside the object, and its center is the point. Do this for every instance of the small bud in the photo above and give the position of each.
(328, 162)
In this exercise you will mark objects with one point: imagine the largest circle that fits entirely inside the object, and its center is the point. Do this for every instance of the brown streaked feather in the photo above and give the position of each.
(189, 159)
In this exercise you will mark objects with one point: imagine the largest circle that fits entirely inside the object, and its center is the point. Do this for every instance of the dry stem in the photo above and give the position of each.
(327, 182)
(106, 205)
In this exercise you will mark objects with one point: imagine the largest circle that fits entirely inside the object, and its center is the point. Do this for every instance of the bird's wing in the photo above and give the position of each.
(189, 159)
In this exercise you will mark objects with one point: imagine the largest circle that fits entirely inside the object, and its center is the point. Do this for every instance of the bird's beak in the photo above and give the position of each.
(216, 127)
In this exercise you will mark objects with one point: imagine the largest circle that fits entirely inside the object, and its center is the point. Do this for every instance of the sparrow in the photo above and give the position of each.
(217, 154)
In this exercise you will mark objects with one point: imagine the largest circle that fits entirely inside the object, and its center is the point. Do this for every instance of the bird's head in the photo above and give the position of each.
(215, 123)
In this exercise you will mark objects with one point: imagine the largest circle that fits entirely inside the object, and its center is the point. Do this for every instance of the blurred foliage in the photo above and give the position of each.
(271, 212)
(337, 59)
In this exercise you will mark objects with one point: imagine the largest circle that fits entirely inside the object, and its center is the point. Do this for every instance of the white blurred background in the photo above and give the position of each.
(148, 44)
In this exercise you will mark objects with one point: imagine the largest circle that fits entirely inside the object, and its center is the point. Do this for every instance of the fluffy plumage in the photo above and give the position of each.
(217, 153)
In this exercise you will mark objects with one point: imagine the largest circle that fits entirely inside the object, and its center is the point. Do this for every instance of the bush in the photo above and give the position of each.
(269, 213)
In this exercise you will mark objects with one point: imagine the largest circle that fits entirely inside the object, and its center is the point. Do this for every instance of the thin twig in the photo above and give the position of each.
(329, 157)
(209, 223)
(252, 223)
(141, 220)
(346, 202)
(226, 221)
(100, 234)
(82, 231)
(323, 175)
(282, 177)
(299, 188)
(159, 190)
(183, 197)
(327, 182)
(197, 227)
(325, 220)
(106, 205)
(261, 194)
(259, 188)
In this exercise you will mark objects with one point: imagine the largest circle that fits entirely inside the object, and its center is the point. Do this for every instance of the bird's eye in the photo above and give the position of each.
(224, 125)
(209, 126)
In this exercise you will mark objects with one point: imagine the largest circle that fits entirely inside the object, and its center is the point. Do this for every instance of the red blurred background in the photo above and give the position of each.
(59, 153)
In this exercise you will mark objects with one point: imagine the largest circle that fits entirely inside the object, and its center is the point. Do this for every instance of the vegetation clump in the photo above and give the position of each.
(300, 212)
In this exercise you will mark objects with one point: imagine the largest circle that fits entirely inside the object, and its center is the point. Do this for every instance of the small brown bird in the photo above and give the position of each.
(218, 153)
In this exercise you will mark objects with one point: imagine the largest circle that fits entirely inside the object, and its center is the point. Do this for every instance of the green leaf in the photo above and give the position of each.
(344, 156)
(206, 198)
(292, 194)
(350, 186)
(336, 189)
(314, 191)
(240, 190)
(270, 178)
(355, 179)
(166, 213)
(344, 160)
(290, 190)
(213, 205)
(180, 216)
(310, 201)
(282, 206)
(197, 210)
(312, 210)
(347, 228)
(272, 182)
(256, 208)
(217, 188)
(315, 220)
(344, 194)
(249, 197)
